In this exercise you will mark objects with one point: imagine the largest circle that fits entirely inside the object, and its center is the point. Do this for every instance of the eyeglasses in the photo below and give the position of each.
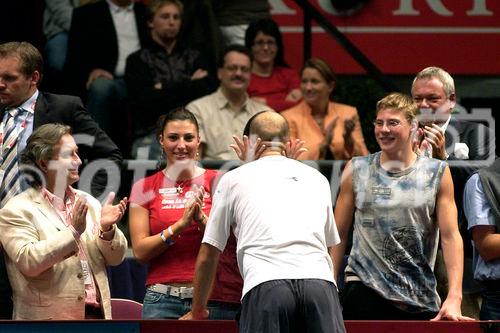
(263, 43)
(391, 123)
(234, 68)
(432, 99)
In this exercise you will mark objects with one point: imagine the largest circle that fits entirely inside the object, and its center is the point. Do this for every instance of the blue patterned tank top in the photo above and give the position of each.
(395, 235)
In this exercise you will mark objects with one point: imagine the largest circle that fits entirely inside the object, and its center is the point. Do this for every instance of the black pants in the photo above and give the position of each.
(282, 306)
(363, 303)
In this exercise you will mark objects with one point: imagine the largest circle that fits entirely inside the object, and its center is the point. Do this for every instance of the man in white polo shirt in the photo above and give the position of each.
(280, 211)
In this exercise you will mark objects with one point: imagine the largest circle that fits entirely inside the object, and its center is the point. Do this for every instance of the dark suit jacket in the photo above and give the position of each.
(93, 42)
(472, 135)
(476, 137)
(69, 110)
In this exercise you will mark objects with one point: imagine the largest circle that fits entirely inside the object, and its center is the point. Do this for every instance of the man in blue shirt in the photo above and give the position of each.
(481, 207)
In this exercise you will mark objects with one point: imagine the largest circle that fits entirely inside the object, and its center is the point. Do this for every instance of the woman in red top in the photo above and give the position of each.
(168, 213)
(273, 82)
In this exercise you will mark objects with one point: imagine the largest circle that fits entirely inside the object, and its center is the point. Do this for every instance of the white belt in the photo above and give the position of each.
(180, 292)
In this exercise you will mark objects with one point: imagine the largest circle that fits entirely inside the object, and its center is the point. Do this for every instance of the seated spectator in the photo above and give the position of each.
(167, 74)
(482, 209)
(101, 37)
(57, 240)
(273, 82)
(167, 219)
(224, 113)
(56, 23)
(330, 130)
(200, 31)
(235, 16)
(402, 205)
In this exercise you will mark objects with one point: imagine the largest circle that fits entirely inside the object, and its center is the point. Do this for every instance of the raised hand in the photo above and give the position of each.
(294, 148)
(420, 145)
(79, 215)
(247, 150)
(200, 218)
(110, 214)
(192, 208)
(435, 136)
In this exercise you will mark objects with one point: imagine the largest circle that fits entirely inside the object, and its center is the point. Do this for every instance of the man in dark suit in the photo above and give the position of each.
(465, 145)
(450, 137)
(20, 73)
(101, 37)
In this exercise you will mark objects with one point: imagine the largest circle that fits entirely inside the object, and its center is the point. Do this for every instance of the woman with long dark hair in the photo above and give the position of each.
(168, 213)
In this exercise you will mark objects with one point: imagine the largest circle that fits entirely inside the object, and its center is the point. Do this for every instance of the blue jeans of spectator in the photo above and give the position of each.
(105, 100)
(55, 51)
(490, 308)
(160, 306)
(55, 57)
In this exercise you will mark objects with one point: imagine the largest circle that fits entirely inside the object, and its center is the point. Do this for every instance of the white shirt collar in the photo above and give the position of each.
(445, 125)
(116, 9)
(29, 104)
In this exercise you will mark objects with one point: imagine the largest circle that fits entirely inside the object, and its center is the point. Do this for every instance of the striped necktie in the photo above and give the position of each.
(11, 182)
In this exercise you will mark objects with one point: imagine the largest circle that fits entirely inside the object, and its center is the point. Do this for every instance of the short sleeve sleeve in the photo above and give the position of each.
(142, 194)
(220, 220)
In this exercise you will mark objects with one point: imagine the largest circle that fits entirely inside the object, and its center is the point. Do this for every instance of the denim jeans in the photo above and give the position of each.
(490, 308)
(55, 58)
(105, 100)
(160, 306)
(55, 51)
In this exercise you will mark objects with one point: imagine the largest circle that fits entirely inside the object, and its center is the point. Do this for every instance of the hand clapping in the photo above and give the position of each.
(111, 214)
(79, 215)
(247, 150)
(193, 207)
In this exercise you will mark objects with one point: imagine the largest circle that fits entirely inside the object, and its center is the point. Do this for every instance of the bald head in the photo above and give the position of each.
(270, 126)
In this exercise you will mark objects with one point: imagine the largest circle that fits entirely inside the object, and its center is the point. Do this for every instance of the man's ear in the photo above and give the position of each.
(35, 78)
(453, 100)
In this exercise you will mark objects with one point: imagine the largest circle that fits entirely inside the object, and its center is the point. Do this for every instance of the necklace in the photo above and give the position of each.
(179, 184)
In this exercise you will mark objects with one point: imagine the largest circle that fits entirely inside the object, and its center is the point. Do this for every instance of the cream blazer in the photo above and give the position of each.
(42, 261)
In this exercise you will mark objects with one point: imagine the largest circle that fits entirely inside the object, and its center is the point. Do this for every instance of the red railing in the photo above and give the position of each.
(175, 326)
